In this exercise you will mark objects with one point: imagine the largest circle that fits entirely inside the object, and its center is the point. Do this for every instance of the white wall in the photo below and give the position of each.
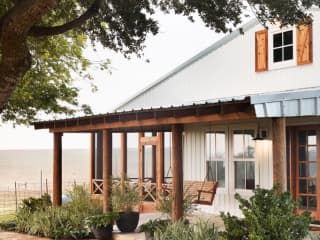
(230, 71)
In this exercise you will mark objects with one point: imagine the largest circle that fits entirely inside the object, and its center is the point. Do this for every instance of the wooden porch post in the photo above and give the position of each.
(123, 157)
(160, 163)
(107, 169)
(279, 152)
(57, 169)
(154, 160)
(177, 173)
(92, 160)
(141, 164)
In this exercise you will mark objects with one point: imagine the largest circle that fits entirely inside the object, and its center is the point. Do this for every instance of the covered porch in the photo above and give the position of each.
(157, 121)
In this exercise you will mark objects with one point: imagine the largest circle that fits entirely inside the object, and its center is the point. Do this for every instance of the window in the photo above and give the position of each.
(244, 159)
(215, 157)
(307, 169)
(283, 46)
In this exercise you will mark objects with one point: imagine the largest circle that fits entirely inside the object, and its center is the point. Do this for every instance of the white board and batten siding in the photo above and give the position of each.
(194, 159)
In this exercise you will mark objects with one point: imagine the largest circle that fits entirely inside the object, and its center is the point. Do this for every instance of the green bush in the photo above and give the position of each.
(152, 225)
(268, 215)
(102, 220)
(165, 204)
(67, 221)
(125, 197)
(181, 230)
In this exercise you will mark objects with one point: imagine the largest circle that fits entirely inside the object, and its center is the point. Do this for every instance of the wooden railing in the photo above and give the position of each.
(149, 187)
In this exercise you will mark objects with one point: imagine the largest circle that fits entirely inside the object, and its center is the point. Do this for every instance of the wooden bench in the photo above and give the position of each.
(201, 192)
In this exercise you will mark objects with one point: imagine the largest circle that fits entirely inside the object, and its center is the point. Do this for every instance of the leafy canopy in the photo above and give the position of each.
(119, 25)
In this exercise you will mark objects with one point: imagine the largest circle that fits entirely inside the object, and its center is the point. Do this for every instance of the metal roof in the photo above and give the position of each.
(303, 102)
(204, 108)
(194, 59)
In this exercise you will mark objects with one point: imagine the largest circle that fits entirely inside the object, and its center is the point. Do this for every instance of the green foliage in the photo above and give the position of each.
(165, 203)
(268, 215)
(181, 230)
(153, 225)
(102, 220)
(125, 197)
(121, 26)
(67, 221)
(8, 222)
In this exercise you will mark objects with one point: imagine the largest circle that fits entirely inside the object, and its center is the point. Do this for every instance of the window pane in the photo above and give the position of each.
(249, 144)
(211, 171)
(220, 145)
(302, 154)
(208, 147)
(303, 202)
(287, 38)
(250, 175)
(277, 55)
(240, 181)
(302, 170)
(302, 138)
(303, 186)
(221, 173)
(312, 153)
(312, 187)
(238, 144)
(312, 138)
(288, 53)
(277, 40)
(313, 170)
(312, 202)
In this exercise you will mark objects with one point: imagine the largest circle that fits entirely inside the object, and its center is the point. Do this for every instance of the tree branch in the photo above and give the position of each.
(39, 31)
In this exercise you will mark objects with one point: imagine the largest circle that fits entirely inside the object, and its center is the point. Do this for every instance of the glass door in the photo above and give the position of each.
(307, 168)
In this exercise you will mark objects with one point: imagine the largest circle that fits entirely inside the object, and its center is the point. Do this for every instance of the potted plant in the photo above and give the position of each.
(151, 226)
(102, 225)
(125, 197)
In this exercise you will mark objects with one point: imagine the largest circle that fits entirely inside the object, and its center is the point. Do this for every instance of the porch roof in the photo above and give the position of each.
(304, 102)
(155, 119)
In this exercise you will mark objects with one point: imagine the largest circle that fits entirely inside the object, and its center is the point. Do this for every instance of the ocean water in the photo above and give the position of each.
(27, 166)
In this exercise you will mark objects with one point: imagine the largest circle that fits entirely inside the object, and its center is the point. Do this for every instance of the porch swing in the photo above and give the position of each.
(202, 192)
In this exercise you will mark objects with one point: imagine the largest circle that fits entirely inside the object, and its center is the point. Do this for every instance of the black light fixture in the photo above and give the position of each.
(260, 135)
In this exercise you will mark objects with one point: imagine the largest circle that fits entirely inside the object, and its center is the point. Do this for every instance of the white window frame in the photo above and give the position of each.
(226, 159)
(233, 160)
(283, 64)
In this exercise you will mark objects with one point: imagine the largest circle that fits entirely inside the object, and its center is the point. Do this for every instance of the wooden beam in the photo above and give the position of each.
(149, 140)
(92, 159)
(160, 164)
(57, 169)
(123, 156)
(177, 173)
(154, 158)
(279, 152)
(107, 169)
(141, 164)
(158, 121)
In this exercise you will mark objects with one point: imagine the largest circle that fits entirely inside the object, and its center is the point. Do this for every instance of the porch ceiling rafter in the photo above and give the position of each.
(154, 118)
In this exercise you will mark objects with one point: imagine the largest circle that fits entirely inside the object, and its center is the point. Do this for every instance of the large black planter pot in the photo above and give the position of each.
(128, 221)
(103, 233)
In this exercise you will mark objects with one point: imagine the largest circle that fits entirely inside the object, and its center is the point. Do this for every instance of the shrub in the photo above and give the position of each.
(125, 197)
(268, 215)
(181, 230)
(152, 225)
(67, 221)
(165, 204)
(8, 222)
(102, 220)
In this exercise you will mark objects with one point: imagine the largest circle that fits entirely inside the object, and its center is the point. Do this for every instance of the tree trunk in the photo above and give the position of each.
(15, 57)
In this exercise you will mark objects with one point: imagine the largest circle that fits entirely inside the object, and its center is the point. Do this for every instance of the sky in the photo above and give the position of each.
(177, 41)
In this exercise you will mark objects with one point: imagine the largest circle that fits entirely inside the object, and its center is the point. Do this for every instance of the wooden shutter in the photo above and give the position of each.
(262, 51)
(304, 44)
